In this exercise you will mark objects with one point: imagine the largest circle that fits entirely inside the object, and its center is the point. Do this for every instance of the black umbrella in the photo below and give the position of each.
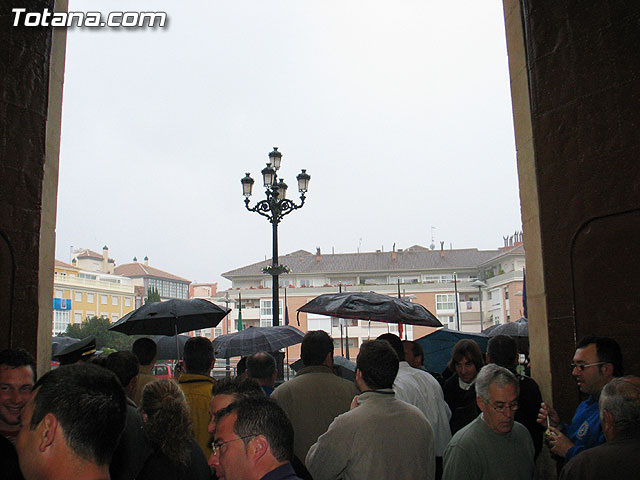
(167, 346)
(371, 306)
(256, 339)
(519, 328)
(171, 317)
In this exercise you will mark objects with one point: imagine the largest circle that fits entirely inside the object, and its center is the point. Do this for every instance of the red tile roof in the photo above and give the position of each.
(141, 270)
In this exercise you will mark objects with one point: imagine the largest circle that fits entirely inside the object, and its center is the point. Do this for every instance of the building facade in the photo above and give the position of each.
(455, 284)
(79, 294)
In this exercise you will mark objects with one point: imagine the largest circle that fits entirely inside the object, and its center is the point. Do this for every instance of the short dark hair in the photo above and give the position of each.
(238, 387)
(89, 403)
(378, 362)
(503, 351)
(241, 366)
(316, 345)
(395, 343)
(125, 365)
(468, 349)
(145, 349)
(18, 357)
(416, 348)
(608, 351)
(198, 355)
(262, 416)
(261, 365)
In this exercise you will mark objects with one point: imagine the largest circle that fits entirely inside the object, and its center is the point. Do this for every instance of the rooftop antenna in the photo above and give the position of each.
(433, 242)
(359, 244)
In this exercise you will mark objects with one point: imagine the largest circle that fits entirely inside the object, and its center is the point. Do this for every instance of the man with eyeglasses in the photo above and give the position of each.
(597, 361)
(253, 441)
(494, 445)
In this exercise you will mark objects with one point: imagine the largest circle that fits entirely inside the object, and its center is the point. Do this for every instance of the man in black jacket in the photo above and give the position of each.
(503, 351)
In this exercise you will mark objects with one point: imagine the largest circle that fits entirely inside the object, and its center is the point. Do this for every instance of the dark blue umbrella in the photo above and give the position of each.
(438, 346)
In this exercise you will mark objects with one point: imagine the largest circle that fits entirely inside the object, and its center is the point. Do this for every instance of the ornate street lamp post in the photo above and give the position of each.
(274, 208)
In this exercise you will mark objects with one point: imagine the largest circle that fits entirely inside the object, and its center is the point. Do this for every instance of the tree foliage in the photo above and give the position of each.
(105, 338)
(152, 296)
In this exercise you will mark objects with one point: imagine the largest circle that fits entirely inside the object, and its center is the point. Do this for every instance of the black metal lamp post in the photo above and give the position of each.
(274, 207)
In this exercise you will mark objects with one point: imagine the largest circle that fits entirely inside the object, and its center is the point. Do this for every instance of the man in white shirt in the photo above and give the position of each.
(420, 389)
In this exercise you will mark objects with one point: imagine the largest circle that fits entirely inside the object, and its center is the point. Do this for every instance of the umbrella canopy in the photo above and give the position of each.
(519, 328)
(256, 339)
(371, 306)
(167, 346)
(59, 343)
(438, 346)
(344, 368)
(171, 317)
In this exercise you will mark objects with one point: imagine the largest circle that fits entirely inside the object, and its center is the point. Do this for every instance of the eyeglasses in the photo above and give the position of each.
(503, 407)
(216, 448)
(581, 367)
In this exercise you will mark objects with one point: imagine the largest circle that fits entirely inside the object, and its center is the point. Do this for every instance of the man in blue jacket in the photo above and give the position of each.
(597, 361)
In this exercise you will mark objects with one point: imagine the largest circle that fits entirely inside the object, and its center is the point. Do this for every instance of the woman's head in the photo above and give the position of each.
(466, 360)
(167, 419)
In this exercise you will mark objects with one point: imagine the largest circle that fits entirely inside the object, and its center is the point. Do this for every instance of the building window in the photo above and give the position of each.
(506, 294)
(127, 301)
(217, 331)
(349, 322)
(114, 318)
(448, 321)
(306, 282)
(353, 342)
(114, 300)
(77, 317)
(90, 298)
(90, 315)
(58, 293)
(60, 321)
(445, 301)
(103, 299)
(78, 296)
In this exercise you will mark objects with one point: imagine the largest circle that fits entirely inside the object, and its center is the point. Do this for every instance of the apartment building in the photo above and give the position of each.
(454, 284)
(80, 294)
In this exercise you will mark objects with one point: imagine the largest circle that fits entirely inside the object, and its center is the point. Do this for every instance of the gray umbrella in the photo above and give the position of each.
(343, 368)
(256, 339)
(519, 328)
(167, 346)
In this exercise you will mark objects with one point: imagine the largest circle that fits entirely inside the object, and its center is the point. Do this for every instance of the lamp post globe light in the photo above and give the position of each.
(274, 208)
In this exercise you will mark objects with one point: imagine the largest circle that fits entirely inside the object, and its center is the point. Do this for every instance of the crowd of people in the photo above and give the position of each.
(108, 417)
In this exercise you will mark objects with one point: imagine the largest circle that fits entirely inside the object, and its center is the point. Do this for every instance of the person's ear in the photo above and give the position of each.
(48, 426)
(607, 369)
(259, 446)
(481, 404)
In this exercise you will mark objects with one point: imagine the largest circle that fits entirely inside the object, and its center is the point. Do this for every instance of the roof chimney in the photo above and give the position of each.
(135, 259)
(105, 259)
(441, 249)
(318, 254)
(146, 261)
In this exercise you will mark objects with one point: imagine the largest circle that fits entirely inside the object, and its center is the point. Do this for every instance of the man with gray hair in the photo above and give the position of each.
(620, 420)
(494, 445)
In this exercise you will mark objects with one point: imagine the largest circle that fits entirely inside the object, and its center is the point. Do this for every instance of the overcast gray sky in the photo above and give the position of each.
(399, 110)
